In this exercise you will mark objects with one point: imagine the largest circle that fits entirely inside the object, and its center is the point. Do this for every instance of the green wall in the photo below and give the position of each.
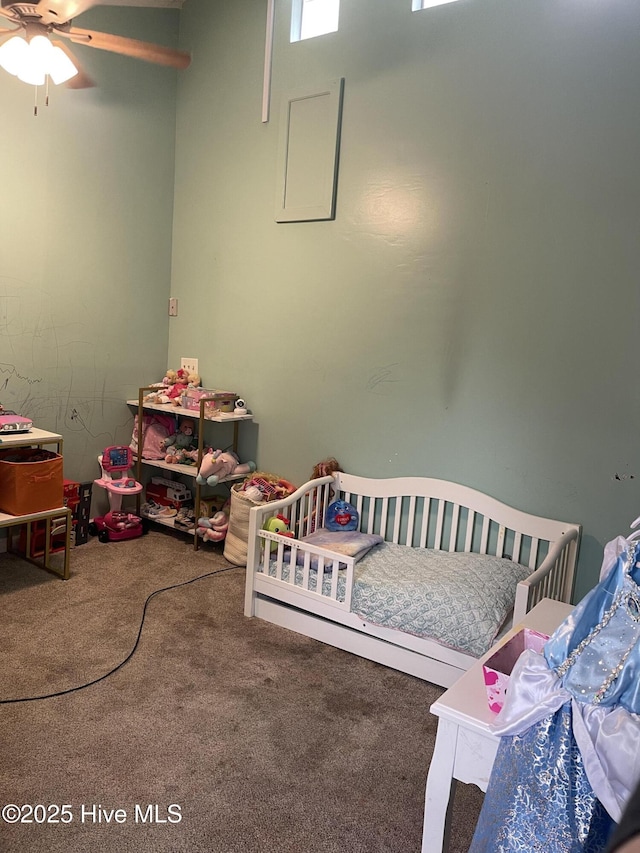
(85, 249)
(470, 313)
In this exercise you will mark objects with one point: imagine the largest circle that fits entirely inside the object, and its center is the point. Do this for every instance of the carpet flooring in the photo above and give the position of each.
(219, 734)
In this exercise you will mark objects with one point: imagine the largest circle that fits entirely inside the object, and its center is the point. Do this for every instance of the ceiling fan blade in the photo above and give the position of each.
(61, 11)
(131, 47)
(82, 79)
(6, 13)
(5, 35)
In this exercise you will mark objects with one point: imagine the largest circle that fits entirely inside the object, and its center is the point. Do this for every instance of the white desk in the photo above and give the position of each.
(34, 438)
(465, 748)
(59, 517)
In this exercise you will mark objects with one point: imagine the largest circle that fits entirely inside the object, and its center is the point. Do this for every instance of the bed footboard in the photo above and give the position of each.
(553, 579)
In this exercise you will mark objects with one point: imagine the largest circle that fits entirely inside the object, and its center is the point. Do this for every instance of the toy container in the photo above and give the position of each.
(30, 480)
(216, 401)
(498, 668)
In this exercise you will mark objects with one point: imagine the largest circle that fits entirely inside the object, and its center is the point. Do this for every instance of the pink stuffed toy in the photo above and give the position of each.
(214, 529)
(218, 465)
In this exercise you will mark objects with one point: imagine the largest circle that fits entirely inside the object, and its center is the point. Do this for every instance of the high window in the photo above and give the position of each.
(427, 4)
(311, 18)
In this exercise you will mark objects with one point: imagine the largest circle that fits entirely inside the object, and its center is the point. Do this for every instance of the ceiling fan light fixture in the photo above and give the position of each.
(61, 68)
(13, 54)
(32, 61)
(36, 65)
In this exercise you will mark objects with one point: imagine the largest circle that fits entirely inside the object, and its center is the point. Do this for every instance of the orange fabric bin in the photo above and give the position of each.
(30, 480)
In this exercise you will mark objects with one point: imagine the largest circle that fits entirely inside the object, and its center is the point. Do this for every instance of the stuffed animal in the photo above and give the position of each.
(182, 443)
(341, 515)
(278, 524)
(214, 529)
(217, 465)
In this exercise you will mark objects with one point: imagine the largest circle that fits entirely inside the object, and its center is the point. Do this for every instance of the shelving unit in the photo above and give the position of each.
(190, 471)
(58, 519)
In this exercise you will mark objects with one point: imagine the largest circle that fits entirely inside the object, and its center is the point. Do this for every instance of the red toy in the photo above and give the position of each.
(116, 524)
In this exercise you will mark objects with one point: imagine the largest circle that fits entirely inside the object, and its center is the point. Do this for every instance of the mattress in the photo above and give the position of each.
(458, 599)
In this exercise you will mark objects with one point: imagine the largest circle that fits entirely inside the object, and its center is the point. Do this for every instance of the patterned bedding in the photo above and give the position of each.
(459, 599)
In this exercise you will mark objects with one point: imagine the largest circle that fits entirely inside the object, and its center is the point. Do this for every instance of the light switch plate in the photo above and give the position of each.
(189, 364)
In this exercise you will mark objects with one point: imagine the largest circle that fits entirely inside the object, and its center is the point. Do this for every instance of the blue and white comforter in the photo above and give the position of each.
(460, 600)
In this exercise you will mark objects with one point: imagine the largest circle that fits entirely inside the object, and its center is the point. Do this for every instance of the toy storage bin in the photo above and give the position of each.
(30, 480)
(236, 542)
(216, 401)
(498, 668)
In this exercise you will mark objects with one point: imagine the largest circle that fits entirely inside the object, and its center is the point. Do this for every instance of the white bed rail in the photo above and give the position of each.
(418, 512)
(295, 562)
(304, 510)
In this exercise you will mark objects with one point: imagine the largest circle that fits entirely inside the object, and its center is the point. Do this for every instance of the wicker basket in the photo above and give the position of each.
(236, 543)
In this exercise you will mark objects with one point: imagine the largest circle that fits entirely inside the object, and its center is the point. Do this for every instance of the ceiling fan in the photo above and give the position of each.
(38, 23)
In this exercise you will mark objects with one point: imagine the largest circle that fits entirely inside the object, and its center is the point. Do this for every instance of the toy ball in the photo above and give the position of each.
(341, 515)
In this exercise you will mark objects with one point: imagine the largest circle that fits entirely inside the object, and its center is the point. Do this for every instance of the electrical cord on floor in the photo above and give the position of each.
(133, 650)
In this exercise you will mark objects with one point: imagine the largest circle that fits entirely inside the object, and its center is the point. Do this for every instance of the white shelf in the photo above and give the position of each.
(168, 409)
(7, 520)
(185, 470)
(168, 522)
(34, 436)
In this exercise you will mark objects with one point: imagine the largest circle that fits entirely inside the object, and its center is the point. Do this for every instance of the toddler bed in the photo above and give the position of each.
(435, 572)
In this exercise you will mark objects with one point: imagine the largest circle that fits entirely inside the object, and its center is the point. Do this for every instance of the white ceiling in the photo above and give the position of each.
(158, 4)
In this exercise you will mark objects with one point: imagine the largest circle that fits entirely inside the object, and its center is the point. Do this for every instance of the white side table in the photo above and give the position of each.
(465, 748)
(38, 438)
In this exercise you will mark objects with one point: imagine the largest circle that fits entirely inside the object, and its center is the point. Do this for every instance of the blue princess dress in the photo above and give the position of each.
(569, 753)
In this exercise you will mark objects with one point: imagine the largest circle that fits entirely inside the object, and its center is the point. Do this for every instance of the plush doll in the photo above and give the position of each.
(159, 396)
(179, 387)
(182, 443)
(214, 529)
(341, 515)
(217, 465)
(327, 466)
(278, 524)
(164, 394)
(324, 468)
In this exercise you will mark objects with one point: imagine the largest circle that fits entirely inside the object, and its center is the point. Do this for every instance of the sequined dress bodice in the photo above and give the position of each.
(596, 652)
